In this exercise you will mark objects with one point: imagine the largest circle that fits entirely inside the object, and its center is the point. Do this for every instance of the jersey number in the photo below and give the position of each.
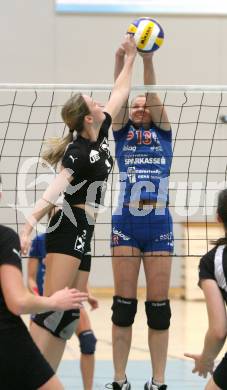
(142, 137)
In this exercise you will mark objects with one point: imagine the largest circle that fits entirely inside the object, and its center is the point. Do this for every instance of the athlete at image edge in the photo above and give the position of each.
(22, 366)
(86, 337)
(212, 280)
(147, 116)
(90, 123)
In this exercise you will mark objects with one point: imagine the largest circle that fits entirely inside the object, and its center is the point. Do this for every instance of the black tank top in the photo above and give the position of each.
(91, 164)
(213, 265)
(9, 254)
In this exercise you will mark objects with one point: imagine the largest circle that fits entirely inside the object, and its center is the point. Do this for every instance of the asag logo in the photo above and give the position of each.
(80, 242)
(94, 156)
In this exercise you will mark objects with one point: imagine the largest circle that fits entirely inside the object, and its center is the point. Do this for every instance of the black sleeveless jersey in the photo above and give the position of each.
(9, 254)
(91, 164)
(213, 265)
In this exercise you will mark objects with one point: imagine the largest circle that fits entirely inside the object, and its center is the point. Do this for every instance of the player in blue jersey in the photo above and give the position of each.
(87, 339)
(142, 227)
(213, 282)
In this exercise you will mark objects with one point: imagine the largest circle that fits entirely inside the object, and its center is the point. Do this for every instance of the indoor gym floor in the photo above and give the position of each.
(188, 327)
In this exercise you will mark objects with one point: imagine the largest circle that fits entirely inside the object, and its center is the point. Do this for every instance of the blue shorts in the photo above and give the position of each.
(149, 233)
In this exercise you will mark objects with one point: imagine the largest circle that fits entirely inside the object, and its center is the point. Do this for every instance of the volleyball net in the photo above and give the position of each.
(30, 114)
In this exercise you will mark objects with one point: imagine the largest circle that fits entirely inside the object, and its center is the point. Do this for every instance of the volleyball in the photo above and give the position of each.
(148, 34)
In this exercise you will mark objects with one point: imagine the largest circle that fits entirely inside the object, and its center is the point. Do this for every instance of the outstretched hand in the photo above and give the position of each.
(129, 45)
(203, 366)
(67, 299)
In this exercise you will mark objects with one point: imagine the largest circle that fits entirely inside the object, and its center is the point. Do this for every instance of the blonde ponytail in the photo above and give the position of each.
(73, 113)
(56, 149)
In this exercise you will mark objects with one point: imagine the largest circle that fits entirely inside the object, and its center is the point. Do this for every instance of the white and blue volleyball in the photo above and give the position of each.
(148, 34)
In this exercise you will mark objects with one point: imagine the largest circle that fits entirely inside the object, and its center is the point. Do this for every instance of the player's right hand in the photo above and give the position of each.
(129, 45)
(25, 243)
(67, 299)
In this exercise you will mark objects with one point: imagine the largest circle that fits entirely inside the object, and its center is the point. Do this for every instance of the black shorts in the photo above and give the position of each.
(220, 374)
(70, 233)
(22, 366)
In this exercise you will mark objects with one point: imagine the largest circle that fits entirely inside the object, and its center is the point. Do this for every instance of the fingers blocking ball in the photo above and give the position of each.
(148, 34)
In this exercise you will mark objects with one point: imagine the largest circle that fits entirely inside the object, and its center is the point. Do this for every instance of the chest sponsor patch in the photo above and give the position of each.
(94, 156)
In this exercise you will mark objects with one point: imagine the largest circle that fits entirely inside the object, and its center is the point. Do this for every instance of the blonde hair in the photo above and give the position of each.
(137, 96)
(73, 113)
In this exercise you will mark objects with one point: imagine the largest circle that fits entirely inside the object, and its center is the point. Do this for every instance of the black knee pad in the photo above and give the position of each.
(158, 314)
(61, 324)
(124, 311)
(87, 342)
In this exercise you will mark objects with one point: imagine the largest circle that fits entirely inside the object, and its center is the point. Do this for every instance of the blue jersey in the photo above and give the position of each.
(144, 158)
(38, 250)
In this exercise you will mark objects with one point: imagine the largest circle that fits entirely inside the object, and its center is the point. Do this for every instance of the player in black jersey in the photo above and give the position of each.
(85, 164)
(22, 366)
(213, 281)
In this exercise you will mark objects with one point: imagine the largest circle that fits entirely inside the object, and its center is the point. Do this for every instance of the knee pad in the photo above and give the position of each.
(87, 342)
(158, 314)
(124, 311)
(61, 324)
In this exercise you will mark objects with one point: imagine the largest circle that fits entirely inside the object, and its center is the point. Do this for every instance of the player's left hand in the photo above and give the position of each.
(203, 365)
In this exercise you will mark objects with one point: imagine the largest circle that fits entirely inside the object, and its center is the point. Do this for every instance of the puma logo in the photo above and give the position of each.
(73, 158)
(16, 252)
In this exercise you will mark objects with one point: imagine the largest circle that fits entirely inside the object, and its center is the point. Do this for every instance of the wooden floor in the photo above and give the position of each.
(188, 326)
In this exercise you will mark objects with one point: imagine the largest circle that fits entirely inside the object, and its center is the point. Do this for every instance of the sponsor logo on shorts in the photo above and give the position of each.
(120, 234)
(80, 242)
(165, 237)
(16, 252)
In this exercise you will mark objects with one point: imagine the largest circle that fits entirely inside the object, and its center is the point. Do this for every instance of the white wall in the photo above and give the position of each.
(38, 45)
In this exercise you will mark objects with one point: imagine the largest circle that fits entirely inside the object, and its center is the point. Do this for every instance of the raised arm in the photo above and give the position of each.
(122, 85)
(122, 117)
(157, 110)
(119, 62)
